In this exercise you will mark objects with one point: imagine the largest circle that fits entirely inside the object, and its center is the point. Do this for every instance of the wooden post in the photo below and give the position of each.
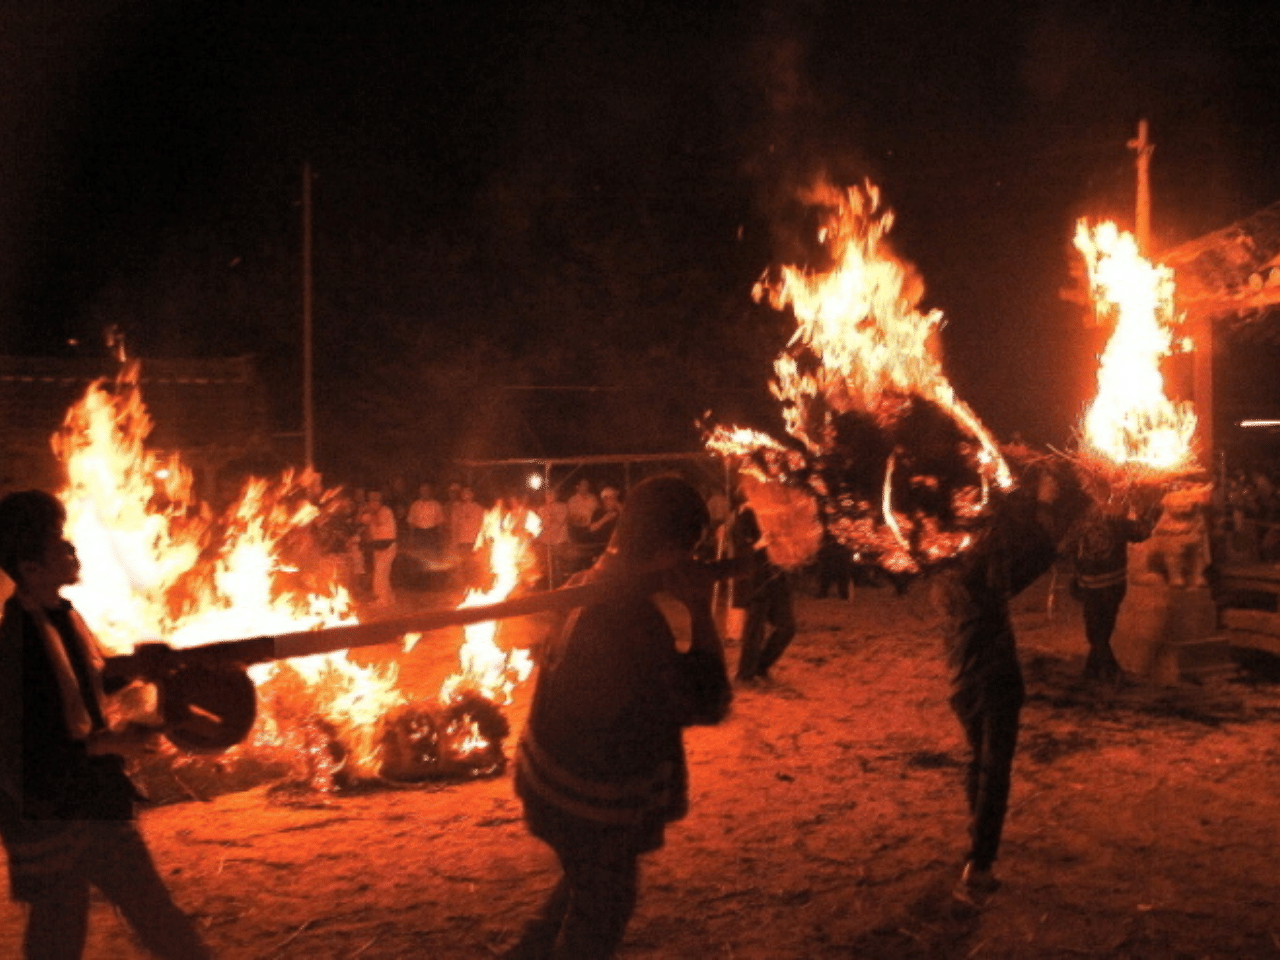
(1142, 214)
(1202, 388)
(308, 421)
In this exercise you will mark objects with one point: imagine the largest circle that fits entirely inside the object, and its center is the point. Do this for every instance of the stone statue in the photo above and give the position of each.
(1179, 547)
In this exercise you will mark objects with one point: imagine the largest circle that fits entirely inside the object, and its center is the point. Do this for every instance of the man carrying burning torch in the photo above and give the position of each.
(1100, 549)
(1018, 545)
(601, 766)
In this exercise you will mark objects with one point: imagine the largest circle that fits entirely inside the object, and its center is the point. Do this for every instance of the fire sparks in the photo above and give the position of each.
(1131, 421)
(899, 465)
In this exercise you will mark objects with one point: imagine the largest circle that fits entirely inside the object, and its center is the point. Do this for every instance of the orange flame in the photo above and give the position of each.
(1131, 423)
(874, 349)
(861, 318)
(156, 563)
(485, 667)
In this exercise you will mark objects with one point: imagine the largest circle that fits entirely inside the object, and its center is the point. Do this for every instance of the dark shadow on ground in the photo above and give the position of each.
(934, 926)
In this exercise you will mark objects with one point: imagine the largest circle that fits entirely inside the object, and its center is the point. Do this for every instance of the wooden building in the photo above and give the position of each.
(1232, 275)
(1230, 280)
(1228, 283)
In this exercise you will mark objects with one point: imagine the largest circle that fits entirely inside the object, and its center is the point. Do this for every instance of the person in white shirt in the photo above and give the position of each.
(426, 520)
(380, 535)
(466, 517)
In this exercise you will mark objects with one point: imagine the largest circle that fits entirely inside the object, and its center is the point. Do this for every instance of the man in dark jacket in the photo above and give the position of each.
(1018, 546)
(1101, 554)
(769, 624)
(66, 804)
(600, 765)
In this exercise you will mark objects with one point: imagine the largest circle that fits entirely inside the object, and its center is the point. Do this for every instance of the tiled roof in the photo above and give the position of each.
(1233, 274)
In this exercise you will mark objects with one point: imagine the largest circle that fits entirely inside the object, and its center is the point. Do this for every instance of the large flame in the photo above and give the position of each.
(861, 361)
(486, 667)
(861, 318)
(156, 563)
(462, 734)
(1131, 422)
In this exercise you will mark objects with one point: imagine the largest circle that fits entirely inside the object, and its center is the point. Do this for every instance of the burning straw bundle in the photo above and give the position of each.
(898, 469)
(902, 488)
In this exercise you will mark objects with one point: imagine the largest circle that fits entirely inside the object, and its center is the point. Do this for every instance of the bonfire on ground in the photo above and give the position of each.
(158, 563)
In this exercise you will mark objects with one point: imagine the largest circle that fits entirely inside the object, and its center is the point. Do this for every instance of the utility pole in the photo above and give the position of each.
(1143, 147)
(308, 420)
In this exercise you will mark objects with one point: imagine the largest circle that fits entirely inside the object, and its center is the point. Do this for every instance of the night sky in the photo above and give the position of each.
(581, 196)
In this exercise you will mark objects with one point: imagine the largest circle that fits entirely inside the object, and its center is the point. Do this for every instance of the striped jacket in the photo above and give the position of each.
(601, 755)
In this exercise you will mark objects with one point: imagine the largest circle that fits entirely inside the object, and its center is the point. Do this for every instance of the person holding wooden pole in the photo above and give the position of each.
(66, 802)
(600, 767)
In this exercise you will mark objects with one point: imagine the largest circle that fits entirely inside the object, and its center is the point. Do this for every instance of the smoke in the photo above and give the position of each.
(809, 131)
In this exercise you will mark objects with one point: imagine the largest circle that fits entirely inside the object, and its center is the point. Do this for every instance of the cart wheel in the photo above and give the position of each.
(207, 709)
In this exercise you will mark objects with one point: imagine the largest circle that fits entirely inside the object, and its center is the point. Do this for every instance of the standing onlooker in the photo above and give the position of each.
(582, 505)
(380, 538)
(605, 518)
(554, 537)
(426, 521)
(718, 508)
(466, 518)
(835, 567)
(342, 532)
(396, 496)
(601, 767)
(66, 803)
(766, 594)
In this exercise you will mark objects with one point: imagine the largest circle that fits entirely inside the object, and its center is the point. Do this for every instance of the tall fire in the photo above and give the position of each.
(462, 735)
(486, 666)
(157, 563)
(900, 468)
(1131, 422)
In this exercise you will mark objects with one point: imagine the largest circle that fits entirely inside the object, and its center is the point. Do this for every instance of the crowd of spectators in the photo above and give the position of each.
(1252, 517)
(438, 537)
(438, 540)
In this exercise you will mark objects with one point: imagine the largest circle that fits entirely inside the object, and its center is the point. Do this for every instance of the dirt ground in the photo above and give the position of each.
(827, 821)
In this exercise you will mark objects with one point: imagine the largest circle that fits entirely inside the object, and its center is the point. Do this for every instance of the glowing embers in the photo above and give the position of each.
(900, 468)
(457, 740)
(1131, 423)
